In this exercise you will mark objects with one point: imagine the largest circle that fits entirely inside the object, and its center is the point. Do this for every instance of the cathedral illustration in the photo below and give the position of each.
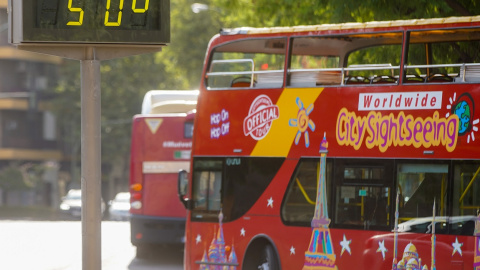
(215, 258)
(410, 259)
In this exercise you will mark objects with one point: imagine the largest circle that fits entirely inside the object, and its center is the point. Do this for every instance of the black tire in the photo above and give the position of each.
(263, 258)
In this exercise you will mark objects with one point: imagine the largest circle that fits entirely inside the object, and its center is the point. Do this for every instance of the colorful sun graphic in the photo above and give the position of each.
(464, 107)
(302, 122)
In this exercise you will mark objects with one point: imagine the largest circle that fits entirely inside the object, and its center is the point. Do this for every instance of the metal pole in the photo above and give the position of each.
(91, 161)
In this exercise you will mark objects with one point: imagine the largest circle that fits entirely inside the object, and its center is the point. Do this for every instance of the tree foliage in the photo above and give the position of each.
(291, 12)
(124, 81)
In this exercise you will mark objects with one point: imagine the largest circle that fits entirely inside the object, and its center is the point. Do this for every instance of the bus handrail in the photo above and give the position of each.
(469, 185)
(342, 69)
(226, 73)
(463, 67)
(307, 198)
(251, 72)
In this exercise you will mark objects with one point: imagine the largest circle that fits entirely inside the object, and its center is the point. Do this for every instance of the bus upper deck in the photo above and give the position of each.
(340, 55)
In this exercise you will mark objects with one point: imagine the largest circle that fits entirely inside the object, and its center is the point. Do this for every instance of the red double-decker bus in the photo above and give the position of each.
(339, 146)
(160, 148)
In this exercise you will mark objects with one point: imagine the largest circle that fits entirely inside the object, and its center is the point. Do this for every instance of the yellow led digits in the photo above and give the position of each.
(139, 10)
(119, 17)
(92, 21)
(108, 9)
(75, 10)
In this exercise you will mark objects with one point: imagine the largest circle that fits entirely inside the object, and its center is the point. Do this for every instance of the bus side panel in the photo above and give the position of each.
(352, 249)
(158, 148)
(334, 118)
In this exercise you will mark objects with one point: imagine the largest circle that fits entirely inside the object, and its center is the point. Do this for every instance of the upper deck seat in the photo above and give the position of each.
(357, 80)
(241, 82)
(440, 78)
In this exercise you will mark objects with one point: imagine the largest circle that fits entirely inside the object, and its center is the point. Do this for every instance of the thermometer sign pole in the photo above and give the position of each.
(91, 162)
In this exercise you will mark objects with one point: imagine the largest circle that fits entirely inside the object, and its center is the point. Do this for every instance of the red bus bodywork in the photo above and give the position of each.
(159, 150)
(358, 122)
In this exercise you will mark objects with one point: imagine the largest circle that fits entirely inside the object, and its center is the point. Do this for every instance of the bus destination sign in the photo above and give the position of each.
(144, 22)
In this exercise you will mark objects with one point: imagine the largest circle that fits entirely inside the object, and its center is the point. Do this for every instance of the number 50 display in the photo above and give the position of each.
(108, 12)
(91, 21)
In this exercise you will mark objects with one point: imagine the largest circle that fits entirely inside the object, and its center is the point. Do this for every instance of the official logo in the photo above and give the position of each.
(260, 116)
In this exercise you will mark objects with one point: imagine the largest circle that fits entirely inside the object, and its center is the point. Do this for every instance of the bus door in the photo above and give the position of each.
(363, 193)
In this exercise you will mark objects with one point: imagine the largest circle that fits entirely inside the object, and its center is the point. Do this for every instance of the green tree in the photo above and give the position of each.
(179, 65)
(291, 12)
(124, 82)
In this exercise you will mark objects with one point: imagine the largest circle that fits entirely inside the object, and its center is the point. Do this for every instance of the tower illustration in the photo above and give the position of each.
(320, 254)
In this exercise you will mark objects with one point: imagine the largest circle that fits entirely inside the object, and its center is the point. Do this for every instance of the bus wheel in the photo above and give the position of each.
(264, 258)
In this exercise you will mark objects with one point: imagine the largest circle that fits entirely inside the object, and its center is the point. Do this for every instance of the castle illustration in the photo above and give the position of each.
(215, 258)
(410, 259)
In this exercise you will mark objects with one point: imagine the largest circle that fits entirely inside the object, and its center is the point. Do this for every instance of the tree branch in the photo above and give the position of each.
(458, 8)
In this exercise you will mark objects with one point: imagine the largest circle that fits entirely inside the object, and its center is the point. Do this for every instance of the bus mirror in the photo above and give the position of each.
(182, 187)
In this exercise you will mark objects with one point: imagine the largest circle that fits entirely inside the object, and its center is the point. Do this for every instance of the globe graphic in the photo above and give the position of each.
(462, 110)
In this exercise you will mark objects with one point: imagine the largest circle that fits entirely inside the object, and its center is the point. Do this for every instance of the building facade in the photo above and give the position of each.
(29, 148)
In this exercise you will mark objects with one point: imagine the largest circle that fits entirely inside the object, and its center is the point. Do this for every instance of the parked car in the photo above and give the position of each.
(120, 206)
(458, 225)
(71, 205)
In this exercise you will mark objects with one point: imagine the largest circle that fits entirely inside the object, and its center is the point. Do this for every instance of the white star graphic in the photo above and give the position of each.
(457, 247)
(242, 232)
(292, 250)
(270, 202)
(345, 245)
(198, 239)
(381, 248)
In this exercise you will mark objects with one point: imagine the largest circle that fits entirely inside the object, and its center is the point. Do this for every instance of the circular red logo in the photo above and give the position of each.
(260, 116)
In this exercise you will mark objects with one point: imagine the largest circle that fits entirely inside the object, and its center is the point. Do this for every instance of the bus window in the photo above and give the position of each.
(231, 185)
(188, 130)
(252, 63)
(435, 56)
(299, 203)
(363, 194)
(466, 198)
(419, 185)
(315, 61)
(374, 65)
(207, 179)
(347, 59)
(246, 180)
